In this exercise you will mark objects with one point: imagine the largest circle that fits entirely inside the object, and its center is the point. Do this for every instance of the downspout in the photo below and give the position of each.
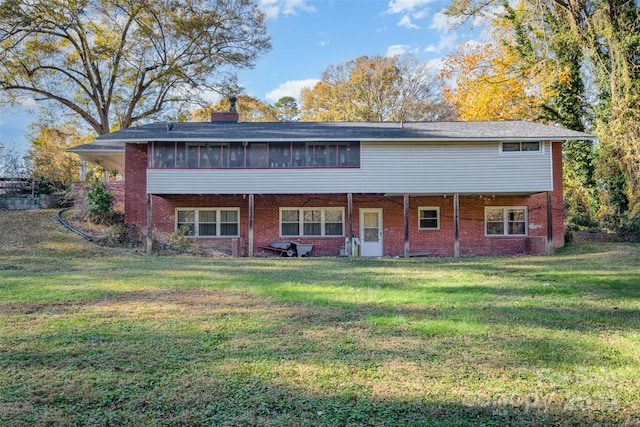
(149, 224)
(549, 224)
(350, 219)
(251, 210)
(456, 225)
(406, 226)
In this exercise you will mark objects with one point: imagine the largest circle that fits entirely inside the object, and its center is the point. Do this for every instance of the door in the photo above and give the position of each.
(370, 232)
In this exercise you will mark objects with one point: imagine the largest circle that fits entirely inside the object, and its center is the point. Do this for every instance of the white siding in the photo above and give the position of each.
(425, 168)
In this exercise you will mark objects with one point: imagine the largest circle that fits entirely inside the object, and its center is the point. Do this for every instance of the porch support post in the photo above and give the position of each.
(549, 239)
(456, 225)
(349, 249)
(149, 224)
(251, 209)
(406, 226)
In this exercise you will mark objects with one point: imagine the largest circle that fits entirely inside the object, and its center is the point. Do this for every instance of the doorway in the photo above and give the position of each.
(371, 232)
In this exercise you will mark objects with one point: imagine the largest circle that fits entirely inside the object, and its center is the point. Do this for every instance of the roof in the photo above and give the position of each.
(110, 154)
(341, 131)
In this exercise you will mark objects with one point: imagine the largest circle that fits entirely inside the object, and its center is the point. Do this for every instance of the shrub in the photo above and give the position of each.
(100, 202)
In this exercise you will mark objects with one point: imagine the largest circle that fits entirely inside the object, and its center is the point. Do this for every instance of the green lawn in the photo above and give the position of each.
(97, 336)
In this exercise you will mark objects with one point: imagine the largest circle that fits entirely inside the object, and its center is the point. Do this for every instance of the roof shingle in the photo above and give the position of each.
(342, 131)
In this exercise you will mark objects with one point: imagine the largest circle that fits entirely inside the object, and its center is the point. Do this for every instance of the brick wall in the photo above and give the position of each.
(135, 161)
(433, 242)
(557, 196)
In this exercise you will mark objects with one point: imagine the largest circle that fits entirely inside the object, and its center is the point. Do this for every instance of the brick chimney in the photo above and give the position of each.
(226, 116)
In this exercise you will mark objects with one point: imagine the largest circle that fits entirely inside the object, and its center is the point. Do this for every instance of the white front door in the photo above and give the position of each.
(370, 232)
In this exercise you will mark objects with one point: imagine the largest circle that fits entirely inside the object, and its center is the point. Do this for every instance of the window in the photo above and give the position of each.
(311, 222)
(208, 222)
(254, 155)
(429, 218)
(164, 155)
(210, 155)
(257, 155)
(505, 221)
(517, 147)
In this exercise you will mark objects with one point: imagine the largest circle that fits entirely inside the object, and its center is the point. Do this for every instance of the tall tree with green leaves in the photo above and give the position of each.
(49, 165)
(117, 62)
(376, 89)
(287, 109)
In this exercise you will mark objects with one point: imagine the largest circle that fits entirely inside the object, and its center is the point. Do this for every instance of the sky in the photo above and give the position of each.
(310, 35)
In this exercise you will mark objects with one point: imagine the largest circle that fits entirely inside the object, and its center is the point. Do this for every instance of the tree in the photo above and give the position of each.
(486, 84)
(12, 164)
(376, 89)
(50, 166)
(287, 109)
(589, 51)
(249, 110)
(116, 62)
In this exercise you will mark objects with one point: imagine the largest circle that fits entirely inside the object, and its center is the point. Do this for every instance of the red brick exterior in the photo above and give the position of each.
(472, 239)
(135, 167)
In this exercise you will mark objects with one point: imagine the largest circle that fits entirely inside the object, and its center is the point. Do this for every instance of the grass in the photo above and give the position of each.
(102, 336)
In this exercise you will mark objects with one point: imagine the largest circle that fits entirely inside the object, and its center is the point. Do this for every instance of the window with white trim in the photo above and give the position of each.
(311, 222)
(208, 222)
(521, 147)
(429, 218)
(505, 221)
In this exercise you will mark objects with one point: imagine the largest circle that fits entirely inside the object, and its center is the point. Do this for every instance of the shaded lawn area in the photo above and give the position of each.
(97, 336)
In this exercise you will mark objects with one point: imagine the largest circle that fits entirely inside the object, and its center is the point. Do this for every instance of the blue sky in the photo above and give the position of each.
(310, 35)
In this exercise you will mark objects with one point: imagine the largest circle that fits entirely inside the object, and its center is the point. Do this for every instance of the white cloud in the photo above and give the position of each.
(435, 64)
(324, 39)
(404, 6)
(411, 10)
(405, 21)
(290, 88)
(442, 22)
(292, 6)
(471, 44)
(447, 41)
(397, 50)
(273, 8)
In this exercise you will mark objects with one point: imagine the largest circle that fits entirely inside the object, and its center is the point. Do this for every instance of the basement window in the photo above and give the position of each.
(429, 218)
(208, 222)
(505, 221)
(311, 222)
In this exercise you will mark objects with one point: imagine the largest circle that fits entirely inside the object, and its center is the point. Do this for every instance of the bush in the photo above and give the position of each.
(181, 243)
(100, 203)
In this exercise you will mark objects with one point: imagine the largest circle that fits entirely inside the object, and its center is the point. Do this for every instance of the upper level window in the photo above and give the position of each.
(254, 155)
(505, 221)
(516, 147)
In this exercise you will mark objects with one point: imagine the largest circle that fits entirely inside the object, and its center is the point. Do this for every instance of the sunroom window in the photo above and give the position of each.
(254, 155)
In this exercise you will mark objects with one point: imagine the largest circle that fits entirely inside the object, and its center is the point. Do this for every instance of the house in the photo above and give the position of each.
(395, 189)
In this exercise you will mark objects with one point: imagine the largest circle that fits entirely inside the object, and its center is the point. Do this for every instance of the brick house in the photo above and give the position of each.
(391, 189)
